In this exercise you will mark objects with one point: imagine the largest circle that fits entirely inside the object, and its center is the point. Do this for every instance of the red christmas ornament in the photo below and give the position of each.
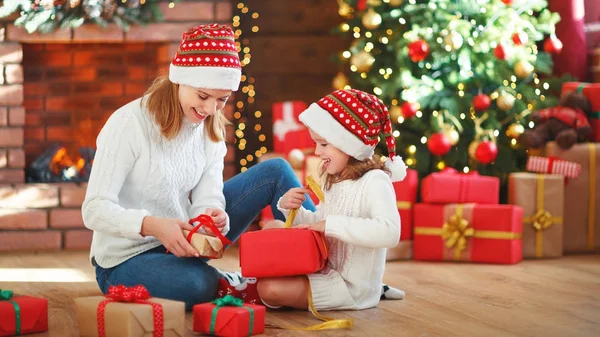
(507, 2)
(500, 52)
(418, 50)
(409, 110)
(481, 102)
(553, 45)
(486, 152)
(439, 144)
(520, 38)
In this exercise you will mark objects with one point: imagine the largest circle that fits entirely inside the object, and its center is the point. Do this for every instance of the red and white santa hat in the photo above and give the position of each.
(207, 58)
(352, 121)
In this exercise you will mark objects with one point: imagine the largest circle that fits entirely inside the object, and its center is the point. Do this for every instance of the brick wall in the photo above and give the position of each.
(52, 85)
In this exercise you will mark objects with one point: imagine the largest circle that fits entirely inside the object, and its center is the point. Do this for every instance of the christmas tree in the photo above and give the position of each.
(460, 76)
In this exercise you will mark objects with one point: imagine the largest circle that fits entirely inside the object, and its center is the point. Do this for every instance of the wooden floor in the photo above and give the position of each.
(534, 298)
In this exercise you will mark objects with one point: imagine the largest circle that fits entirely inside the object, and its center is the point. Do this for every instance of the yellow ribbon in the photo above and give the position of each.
(542, 219)
(456, 233)
(312, 184)
(403, 204)
(592, 199)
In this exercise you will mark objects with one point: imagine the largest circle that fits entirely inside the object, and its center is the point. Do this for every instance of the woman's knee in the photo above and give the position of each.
(277, 167)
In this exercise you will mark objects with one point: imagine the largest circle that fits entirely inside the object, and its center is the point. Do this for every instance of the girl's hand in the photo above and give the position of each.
(169, 233)
(294, 198)
(218, 215)
(317, 227)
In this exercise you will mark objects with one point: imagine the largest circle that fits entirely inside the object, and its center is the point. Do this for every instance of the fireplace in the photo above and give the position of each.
(56, 92)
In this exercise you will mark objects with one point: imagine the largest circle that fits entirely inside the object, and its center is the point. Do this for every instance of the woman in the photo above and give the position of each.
(159, 163)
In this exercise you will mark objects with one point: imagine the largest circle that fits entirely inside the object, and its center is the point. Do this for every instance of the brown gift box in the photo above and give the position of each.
(581, 221)
(206, 245)
(542, 198)
(402, 251)
(129, 319)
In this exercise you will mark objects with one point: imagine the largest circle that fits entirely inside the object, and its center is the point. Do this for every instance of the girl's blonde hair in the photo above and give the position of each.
(163, 105)
(355, 169)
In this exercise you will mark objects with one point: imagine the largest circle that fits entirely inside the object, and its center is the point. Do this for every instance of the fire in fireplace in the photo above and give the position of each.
(57, 164)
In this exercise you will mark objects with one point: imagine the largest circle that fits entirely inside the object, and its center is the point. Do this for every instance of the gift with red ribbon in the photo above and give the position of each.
(450, 186)
(129, 312)
(288, 132)
(553, 165)
(468, 232)
(229, 317)
(207, 245)
(22, 315)
(592, 92)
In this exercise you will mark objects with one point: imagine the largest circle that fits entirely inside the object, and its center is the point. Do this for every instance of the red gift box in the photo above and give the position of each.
(230, 317)
(553, 165)
(449, 186)
(468, 232)
(282, 252)
(288, 132)
(33, 314)
(592, 93)
(406, 195)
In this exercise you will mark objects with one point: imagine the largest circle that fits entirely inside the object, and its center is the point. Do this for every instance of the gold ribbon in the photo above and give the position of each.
(456, 233)
(542, 219)
(403, 204)
(592, 198)
(312, 184)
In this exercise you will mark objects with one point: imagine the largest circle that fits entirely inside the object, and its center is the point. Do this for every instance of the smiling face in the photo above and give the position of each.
(334, 160)
(198, 104)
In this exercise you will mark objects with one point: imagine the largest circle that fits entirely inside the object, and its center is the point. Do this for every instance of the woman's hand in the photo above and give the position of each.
(317, 227)
(294, 198)
(219, 217)
(169, 233)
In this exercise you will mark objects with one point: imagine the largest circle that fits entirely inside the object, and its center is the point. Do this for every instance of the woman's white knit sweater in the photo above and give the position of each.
(361, 221)
(137, 172)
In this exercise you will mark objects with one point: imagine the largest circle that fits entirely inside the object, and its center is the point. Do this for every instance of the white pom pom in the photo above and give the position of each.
(397, 167)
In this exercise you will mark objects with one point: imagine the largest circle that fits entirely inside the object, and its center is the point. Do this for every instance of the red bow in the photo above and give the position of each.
(122, 293)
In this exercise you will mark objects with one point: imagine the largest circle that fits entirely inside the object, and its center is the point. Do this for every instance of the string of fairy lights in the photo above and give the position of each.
(248, 120)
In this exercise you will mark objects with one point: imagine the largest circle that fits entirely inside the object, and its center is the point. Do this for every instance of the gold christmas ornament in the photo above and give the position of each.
(453, 40)
(396, 3)
(515, 130)
(371, 19)
(451, 133)
(340, 81)
(523, 69)
(505, 101)
(296, 158)
(345, 10)
(472, 149)
(395, 113)
(363, 61)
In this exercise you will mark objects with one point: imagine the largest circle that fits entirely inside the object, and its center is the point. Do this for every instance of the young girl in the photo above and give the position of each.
(359, 215)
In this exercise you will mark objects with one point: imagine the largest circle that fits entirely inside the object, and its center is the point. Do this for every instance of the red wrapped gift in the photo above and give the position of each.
(22, 315)
(592, 92)
(468, 232)
(406, 195)
(288, 132)
(230, 317)
(282, 252)
(553, 165)
(449, 186)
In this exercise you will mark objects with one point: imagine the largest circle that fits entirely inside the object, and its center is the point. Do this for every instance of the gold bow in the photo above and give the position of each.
(542, 220)
(455, 233)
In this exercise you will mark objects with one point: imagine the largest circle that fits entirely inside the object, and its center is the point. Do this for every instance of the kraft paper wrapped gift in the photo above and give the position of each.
(542, 198)
(211, 246)
(137, 317)
(582, 198)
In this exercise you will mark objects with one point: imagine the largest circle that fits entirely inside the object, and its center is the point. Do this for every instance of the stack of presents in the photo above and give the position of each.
(551, 211)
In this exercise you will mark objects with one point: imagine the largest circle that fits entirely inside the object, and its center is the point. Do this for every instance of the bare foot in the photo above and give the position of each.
(273, 224)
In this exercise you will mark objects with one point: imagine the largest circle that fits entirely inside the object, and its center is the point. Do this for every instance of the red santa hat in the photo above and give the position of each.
(207, 58)
(352, 121)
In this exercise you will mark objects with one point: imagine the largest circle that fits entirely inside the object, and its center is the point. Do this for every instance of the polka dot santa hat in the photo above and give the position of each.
(207, 58)
(352, 121)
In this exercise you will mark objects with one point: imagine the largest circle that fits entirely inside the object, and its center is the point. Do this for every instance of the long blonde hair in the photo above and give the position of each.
(163, 105)
(355, 169)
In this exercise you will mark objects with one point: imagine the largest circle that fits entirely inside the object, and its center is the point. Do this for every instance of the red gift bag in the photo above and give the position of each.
(32, 314)
(282, 252)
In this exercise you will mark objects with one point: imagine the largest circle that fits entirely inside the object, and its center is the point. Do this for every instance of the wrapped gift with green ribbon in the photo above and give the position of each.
(229, 317)
(22, 315)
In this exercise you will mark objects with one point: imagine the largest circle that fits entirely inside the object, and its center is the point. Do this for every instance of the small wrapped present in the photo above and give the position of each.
(553, 165)
(449, 186)
(229, 317)
(582, 199)
(288, 132)
(206, 245)
(406, 195)
(542, 198)
(129, 312)
(468, 232)
(22, 315)
(592, 92)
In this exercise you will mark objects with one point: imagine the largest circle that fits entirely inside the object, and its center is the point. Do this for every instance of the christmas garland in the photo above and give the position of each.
(45, 16)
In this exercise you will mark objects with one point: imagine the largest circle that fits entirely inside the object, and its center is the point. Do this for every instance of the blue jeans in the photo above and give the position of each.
(192, 280)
